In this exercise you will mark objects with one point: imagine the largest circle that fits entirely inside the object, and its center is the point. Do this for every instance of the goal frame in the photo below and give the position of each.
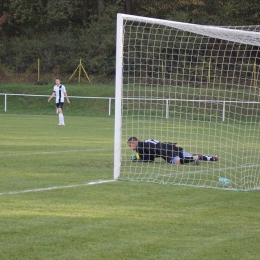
(249, 37)
(118, 96)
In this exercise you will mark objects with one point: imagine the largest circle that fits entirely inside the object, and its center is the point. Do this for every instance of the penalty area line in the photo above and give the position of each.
(56, 187)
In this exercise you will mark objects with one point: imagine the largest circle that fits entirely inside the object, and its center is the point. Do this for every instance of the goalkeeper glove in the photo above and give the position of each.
(135, 157)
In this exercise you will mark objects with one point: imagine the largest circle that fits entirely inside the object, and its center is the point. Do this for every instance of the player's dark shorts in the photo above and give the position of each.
(59, 105)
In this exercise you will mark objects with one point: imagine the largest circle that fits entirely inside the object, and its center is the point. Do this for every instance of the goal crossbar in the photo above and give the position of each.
(228, 34)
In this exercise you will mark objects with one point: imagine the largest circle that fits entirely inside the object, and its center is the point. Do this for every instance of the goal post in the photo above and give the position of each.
(193, 85)
(118, 97)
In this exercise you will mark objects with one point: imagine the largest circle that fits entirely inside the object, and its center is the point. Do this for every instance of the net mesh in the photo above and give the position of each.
(198, 86)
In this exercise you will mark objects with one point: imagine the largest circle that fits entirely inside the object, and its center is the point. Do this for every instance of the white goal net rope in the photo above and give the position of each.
(194, 85)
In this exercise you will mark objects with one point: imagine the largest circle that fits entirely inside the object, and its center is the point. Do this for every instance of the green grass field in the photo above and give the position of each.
(236, 144)
(53, 206)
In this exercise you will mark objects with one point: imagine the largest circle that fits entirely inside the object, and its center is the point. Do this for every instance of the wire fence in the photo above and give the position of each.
(46, 96)
(168, 105)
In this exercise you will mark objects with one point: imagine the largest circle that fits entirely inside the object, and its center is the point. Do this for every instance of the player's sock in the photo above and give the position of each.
(186, 159)
(207, 158)
(60, 119)
(214, 158)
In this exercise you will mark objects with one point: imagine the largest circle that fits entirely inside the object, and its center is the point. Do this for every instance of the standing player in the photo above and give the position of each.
(59, 91)
(149, 149)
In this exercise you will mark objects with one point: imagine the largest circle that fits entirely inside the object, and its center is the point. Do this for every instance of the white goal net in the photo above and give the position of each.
(194, 85)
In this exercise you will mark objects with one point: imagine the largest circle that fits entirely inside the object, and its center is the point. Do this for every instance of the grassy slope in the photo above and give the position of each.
(72, 89)
(39, 105)
(99, 107)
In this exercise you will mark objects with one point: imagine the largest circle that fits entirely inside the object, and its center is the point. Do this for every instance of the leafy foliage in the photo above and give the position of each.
(62, 32)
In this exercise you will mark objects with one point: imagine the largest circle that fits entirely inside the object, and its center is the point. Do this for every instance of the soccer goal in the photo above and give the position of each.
(194, 85)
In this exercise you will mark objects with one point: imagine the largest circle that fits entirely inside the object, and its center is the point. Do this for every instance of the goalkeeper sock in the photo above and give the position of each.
(186, 159)
(207, 158)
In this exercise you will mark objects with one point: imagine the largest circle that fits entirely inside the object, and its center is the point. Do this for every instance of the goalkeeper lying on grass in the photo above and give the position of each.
(149, 149)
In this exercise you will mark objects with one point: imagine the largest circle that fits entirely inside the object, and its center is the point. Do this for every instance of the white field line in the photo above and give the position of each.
(53, 152)
(55, 187)
(201, 171)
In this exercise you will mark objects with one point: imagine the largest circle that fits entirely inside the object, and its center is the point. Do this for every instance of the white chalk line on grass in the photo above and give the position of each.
(204, 171)
(52, 152)
(55, 187)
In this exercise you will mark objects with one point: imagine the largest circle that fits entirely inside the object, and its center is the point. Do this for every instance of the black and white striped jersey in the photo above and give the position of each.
(59, 93)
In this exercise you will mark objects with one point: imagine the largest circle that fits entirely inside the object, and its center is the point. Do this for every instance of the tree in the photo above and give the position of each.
(128, 6)
(101, 6)
(3, 19)
(235, 12)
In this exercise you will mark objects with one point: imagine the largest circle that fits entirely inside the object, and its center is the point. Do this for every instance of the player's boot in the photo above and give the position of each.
(214, 158)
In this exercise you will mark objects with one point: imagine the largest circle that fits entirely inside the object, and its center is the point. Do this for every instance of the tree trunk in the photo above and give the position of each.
(101, 6)
(128, 6)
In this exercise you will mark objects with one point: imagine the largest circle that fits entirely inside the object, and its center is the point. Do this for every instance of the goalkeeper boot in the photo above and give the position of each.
(214, 158)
